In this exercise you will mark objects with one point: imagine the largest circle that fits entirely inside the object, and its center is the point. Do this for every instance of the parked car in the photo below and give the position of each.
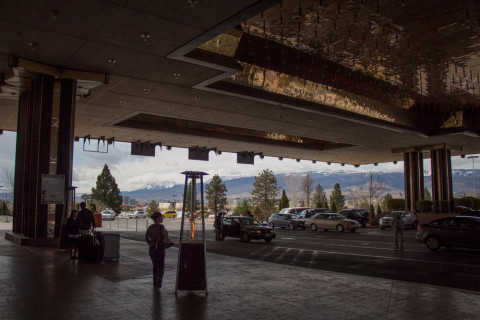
(359, 215)
(123, 214)
(139, 214)
(170, 214)
(458, 231)
(307, 213)
(246, 228)
(108, 214)
(293, 210)
(466, 211)
(285, 220)
(328, 220)
(410, 219)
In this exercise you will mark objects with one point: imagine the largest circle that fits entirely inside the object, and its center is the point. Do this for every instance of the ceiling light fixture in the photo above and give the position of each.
(112, 62)
(240, 107)
(54, 14)
(32, 45)
(197, 99)
(146, 90)
(145, 36)
(123, 101)
(192, 2)
(176, 75)
(170, 109)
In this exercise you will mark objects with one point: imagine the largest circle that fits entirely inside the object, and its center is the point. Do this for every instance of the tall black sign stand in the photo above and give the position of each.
(191, 267)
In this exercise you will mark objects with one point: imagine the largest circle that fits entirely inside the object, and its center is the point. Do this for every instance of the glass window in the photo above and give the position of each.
(468, 224)
(227, 222)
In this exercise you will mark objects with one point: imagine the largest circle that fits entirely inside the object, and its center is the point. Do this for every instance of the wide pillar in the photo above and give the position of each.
(37, 145)
(442, 189)
(413, 172)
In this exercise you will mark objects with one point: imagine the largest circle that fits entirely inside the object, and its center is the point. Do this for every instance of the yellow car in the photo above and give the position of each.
(170, 214)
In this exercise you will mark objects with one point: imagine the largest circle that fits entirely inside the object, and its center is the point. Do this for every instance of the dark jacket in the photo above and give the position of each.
(156, 234)
(73, 226)
(86, 219)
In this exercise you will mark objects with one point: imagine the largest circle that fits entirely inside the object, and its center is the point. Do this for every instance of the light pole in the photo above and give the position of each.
(473, 169)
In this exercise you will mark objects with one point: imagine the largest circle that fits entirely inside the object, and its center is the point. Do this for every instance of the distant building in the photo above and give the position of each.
(133, 201)
(126, 199)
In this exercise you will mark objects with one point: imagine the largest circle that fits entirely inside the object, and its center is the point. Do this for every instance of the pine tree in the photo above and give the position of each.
(320, 197)
(426, 194)
(107, 191)
(284, 203)
(337, 200)
(242, 208)
(265, 192)
(152, 208)
(216, 195)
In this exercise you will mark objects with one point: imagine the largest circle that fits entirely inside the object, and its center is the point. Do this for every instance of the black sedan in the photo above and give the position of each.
(246, 229)
(458, 231)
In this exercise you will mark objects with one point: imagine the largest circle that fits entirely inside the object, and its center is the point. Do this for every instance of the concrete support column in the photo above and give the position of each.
(442, 176)
(33, 157)
(42, 149)
(413, 172)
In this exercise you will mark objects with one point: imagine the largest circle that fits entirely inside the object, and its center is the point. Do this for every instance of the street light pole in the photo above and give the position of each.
(473, 169)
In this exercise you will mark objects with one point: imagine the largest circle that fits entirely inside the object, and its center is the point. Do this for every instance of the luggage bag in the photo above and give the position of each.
(89, 249)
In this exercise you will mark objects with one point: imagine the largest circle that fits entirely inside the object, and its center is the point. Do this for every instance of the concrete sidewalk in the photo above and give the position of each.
(43, 283)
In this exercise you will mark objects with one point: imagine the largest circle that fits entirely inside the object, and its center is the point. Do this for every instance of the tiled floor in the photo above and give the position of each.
(41, 283)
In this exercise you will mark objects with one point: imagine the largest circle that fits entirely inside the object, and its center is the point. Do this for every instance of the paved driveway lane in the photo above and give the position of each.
(368, 252)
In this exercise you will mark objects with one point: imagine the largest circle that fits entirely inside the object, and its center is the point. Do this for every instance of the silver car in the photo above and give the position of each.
(410, 219)
(327, 221)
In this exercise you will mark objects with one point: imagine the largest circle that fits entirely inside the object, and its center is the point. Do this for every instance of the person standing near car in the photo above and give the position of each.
(218, 224)
(398, 225)
(86, 219)
(156, 236)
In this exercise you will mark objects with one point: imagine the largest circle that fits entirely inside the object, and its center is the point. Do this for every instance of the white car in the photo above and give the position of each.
(409, 220)
(139, 214)
(123, 214)
(108, 214)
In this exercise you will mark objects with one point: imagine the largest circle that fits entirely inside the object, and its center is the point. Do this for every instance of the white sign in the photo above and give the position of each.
(53, 189)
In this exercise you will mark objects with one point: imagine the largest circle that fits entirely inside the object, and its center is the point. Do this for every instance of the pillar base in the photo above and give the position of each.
(26, 241)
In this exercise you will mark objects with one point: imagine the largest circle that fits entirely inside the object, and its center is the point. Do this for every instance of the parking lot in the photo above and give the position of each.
(367, 252)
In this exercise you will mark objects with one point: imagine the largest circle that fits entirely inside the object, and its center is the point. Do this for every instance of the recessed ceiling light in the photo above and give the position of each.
(177, 75)
(147, 90)
(240, 107)
(123, 101)
(145, 36)
(197, 99)
(192, 2)
(309, 120)
(54, 14)
(32, 45)
(211, 115)
(112, 62)
(170, 109)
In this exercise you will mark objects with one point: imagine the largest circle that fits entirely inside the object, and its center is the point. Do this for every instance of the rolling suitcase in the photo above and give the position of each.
(111, 245)
(89, 249)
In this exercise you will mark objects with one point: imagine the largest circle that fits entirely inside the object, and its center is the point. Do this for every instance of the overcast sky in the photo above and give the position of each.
(134, 172)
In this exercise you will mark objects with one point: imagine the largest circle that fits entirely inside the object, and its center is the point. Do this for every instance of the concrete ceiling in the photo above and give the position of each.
(151, 51)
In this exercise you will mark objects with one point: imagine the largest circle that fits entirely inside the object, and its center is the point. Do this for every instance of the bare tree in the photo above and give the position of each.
(372, 191)
(307, 190)
(293, 185)
(8, 179)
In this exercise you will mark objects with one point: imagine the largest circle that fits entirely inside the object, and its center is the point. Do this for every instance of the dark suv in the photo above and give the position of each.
(246, 228)
(359, 215)
(285, 220)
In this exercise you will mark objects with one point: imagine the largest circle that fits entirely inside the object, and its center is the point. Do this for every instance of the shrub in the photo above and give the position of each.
(470, 202)
(424, 205)
(441, 206)
(395, 204)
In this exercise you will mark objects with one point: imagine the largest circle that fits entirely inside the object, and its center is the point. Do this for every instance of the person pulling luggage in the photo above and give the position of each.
(87, 221)
(156, 237)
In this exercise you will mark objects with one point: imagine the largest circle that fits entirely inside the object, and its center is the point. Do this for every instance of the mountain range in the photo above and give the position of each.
(240, 188)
